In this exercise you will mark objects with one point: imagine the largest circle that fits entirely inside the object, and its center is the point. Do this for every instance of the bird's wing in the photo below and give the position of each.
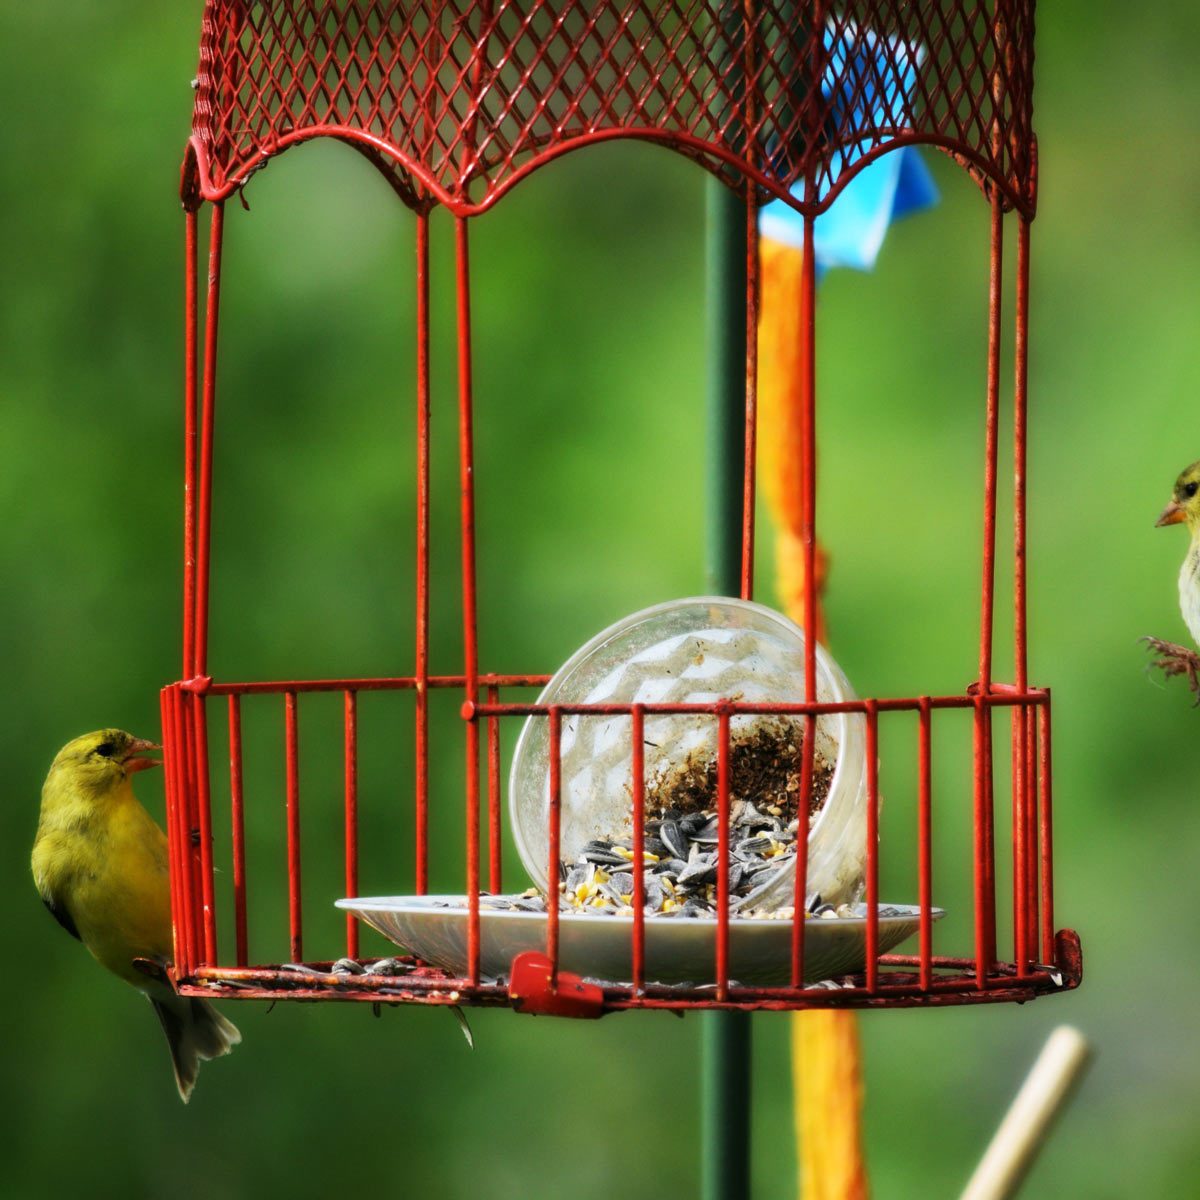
(42, 877)
(61, 915)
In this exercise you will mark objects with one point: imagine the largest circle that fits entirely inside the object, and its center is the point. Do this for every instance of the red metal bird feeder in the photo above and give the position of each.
(456, 102)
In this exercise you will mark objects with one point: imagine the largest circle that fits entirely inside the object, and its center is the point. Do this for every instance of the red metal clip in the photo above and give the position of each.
(529, 990)
(993, 689)
(198, 685)
(1068, 954)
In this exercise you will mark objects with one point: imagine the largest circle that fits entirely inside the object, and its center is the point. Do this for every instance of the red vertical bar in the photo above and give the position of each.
(637, 737)
(350, 729)
(495, 845)
(1023, 797)
(555, 831)
(191, 367)
(808, 505)
(204, 814)
(808, 462)
(987, 599)
(800, 891)
(1020, 456)
(1030, 881)
(177, 820)
(872, 752)
(183, 855)
(470, 646)
(1020, 841)
(472, 738)
(239, 828)
(985, 869)
(925, 840)
(204, 535)
(723, 854)
(985, 929)
(195, 906)
(751, 436)
(989, 833)
(422, 599)
(1017, 721)
(171, 789)
(1045, 831)
(292, 755)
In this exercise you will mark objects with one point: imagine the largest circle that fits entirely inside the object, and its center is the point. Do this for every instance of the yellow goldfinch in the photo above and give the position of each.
(100, 865)
(1184, 507)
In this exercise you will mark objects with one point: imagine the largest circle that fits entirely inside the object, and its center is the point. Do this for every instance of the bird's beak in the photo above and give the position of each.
(133, 763)
(1171, 515)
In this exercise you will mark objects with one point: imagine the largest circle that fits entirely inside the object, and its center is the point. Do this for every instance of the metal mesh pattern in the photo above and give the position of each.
(456, 101)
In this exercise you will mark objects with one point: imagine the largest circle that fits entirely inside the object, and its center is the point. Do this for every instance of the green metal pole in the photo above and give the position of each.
(725, 1094)
(725, 284)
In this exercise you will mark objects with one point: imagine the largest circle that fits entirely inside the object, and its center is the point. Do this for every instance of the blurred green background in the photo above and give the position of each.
(590, 381)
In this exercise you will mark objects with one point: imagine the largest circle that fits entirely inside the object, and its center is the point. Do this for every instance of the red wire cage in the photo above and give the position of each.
(456, 102)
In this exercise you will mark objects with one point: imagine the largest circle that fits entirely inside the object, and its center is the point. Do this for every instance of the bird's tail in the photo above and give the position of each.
(195, 1032)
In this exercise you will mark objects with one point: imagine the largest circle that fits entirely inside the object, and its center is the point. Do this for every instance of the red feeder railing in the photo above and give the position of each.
(456, 102)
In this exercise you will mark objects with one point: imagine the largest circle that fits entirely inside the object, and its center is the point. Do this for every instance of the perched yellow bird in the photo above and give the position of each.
(100, 865)
(1184, 508)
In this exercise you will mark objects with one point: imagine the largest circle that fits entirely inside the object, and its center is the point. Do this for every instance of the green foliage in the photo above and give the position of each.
(589, 352)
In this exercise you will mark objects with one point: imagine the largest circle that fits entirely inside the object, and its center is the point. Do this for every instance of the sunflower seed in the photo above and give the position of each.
(752, 818)
(388, 966)
(300, 969)
(655, 893)
(673, 839)
(756, 845)
(669, 866)
(603, 858)
(703, 869)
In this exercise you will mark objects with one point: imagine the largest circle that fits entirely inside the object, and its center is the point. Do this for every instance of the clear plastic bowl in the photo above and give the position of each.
(698, 650)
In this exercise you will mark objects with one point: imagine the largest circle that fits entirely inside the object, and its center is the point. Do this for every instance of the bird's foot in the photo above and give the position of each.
(152, 968)
(1173, 659)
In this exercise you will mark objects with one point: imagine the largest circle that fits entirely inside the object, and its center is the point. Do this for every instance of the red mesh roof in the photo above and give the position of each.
(456, 101)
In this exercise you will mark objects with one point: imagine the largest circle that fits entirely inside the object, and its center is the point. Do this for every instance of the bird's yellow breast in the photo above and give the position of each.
(1189, 589)
(104, 861)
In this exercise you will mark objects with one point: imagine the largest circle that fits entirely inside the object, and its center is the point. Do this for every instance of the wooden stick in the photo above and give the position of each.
(1046, 1090)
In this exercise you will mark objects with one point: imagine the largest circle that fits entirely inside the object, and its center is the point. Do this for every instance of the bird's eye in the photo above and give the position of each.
(105, 749)
(1189, 490)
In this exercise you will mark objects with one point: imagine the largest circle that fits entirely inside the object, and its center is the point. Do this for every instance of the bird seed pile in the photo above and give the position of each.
(682, 831)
